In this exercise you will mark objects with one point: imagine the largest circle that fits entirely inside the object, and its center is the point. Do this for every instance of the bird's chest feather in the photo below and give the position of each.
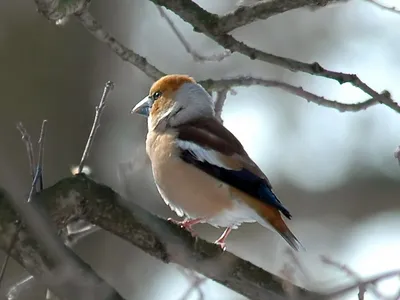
(182, 185)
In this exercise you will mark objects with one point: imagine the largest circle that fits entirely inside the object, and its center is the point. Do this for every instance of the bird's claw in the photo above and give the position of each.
(221, 244)
(185, 224)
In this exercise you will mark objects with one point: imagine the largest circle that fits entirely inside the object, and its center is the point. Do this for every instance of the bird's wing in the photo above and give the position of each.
(208, 145)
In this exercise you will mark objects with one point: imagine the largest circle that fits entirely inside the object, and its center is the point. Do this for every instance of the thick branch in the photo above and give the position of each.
(43, 255)
(80, 197)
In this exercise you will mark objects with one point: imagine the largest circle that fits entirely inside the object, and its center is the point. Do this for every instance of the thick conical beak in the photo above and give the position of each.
(143, 107)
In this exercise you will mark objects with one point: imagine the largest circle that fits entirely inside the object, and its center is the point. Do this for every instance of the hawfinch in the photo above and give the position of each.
(201, 170)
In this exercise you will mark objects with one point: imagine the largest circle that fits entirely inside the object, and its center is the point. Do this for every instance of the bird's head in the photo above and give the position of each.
(174, 100)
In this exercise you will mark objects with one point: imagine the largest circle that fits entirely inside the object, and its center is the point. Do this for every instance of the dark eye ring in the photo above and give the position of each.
(156, 95)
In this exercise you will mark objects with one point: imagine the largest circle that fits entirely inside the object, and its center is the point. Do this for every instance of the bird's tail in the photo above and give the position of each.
(274, 219)
(291, 239)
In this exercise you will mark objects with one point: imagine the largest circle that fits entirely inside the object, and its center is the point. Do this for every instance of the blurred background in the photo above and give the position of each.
(334, 171)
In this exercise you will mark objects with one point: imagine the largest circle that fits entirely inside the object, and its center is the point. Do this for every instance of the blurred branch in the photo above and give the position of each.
(362, 288)
(38, 249)
(384, 7)
(58, 10)
(95, 28)
(219, 102)
(263, 10)
(196, 56)
(196, 282)
(298, 91)
(41, 154)
(29, 148)
(96, 123)
(8, 252)
(79, 197)
(207, 23)
(16, 289)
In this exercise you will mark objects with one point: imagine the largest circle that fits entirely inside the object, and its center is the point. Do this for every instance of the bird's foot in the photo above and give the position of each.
(221, 244)
(221, 241)
(186, 224)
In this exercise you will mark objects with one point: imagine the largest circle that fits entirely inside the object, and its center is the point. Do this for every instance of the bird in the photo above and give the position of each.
(201, 170)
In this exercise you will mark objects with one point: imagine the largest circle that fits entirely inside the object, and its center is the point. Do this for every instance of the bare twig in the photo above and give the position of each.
(196, 56)
(219, 102)
(41, 154)
(96, 123)
(298, 91)
(95, 28)
(262, 10)
(206, 22)
(15, 290)
(362, 286)
(384, 7)
(195, 283)
(367, 282)
(29, 148)
(8, 252)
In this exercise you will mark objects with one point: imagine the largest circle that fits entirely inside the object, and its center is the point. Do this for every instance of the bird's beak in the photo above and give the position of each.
(143, 107)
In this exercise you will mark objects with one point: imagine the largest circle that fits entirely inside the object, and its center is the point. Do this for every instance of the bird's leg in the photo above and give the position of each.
(187, 223)
(221, 241)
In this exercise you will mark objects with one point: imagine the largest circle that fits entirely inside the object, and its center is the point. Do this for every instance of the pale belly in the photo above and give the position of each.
(194, 194)
(191, 192)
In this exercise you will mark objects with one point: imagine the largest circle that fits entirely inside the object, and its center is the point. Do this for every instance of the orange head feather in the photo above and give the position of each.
(166, 87)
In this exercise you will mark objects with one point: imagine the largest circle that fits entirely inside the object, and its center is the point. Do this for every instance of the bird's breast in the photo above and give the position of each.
(183, 185)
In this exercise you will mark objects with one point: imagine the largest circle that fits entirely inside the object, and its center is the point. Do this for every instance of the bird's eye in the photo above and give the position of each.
(156, 95)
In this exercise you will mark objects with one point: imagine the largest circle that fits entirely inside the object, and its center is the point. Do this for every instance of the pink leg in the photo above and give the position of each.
(187, 223)
(222, 238)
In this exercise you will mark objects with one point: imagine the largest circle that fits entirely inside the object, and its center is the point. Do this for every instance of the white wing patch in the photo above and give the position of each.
(202, 154)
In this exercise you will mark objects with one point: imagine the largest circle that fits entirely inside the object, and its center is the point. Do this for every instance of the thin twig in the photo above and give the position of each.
(384, 7)
(15, 290)
(262, 10)
(126, 54)
(195, 283)
(33, 185)
(8, 252)
(219, 102)
(196, 56)
(298, 91)
(96, 123)
(362, 286)
(29, 148)
(41, 154)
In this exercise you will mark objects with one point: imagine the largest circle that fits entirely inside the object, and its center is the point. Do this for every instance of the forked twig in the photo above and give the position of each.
(96, 123)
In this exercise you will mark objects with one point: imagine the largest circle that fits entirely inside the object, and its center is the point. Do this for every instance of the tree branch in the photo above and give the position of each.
(227, 83)
(196, 56)
(263, 10)
(80, 197)
(206, 23)
(384, 7)
(38, 249)
(95, 28)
